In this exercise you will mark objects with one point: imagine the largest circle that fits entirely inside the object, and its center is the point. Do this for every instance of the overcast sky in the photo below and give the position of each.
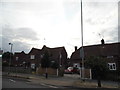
(56, 23)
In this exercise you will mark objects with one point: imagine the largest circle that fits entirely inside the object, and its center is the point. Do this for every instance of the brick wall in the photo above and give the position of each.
(87, 73)
(50, 71)
(17, 69)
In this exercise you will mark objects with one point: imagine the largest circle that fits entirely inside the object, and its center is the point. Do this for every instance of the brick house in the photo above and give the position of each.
(109, 51)
(57, 54)
(20, 59)
(33, 58)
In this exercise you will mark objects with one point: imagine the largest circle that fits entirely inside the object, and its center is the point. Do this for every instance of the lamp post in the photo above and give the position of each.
(82, 43)
(10, 55)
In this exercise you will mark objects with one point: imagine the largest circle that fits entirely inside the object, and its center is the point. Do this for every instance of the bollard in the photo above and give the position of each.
(46, 75)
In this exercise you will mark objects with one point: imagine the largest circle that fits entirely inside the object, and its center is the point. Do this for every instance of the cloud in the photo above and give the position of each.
(111, 35)
(20, 37)
(119, 21)
(58, 21)
(26, 33)
(17, 46)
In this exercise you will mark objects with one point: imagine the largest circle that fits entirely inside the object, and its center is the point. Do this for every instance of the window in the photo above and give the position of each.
(16, 58)
(112, 66)
(42, 55)
(33, 66)
(32, 57)
(24, 62)
(109, 56)
(76, 65)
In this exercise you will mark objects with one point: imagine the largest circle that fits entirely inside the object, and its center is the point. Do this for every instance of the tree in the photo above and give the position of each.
(54, 65)
(45, 62)
(98, 66)
(6, 55)
(6, 58)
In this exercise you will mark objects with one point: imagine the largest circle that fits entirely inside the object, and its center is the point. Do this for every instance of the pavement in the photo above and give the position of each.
(69, 80)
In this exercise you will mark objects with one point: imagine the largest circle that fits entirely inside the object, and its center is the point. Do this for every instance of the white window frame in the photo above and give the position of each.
(109, 56)
(33, 65)
(111, 66)
(16, 58)
(32, 56)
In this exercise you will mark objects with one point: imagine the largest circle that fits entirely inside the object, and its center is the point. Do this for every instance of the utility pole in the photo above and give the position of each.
(82, 43)
(10, 56)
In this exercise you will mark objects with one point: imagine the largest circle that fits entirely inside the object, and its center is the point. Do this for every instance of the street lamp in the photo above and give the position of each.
(10, 55)
(82, 42)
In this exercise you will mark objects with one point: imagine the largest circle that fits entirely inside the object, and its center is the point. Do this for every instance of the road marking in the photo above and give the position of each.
(12, 80)
(49, 86)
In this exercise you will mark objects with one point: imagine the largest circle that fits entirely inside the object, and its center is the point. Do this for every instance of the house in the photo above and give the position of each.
(109, 51)
(20, 59)
(75, 59)
(34, 57)
(57, 54)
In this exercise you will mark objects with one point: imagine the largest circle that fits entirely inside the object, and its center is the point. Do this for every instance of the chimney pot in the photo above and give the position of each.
(75, 48)
(102, 41)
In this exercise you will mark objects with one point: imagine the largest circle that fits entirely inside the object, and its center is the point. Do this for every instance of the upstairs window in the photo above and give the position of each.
(112, 66)
(32, 57)
(41, 55)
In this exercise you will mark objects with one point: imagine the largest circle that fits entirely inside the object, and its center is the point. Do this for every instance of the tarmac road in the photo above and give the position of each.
(17, 83)
(9, 83)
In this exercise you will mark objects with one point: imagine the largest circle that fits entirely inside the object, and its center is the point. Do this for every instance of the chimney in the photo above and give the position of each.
(75, 48)
(102, 41)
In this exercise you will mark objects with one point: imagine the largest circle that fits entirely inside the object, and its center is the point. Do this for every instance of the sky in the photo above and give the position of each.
(56, 23)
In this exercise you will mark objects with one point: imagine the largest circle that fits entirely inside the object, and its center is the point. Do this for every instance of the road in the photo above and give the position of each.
(17, 83)
(12, 83)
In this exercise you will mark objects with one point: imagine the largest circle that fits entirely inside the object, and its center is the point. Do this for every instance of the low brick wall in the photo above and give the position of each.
(17, 69)
(42, 71)
(88, 73)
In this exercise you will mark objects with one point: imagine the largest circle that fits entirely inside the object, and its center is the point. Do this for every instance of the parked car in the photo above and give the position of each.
(71, 70)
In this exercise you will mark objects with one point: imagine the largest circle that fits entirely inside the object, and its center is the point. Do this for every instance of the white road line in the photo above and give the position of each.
(12, 80)
(53, 87)
(49, 86)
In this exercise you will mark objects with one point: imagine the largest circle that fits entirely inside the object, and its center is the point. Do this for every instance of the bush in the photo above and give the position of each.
(5, 64)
